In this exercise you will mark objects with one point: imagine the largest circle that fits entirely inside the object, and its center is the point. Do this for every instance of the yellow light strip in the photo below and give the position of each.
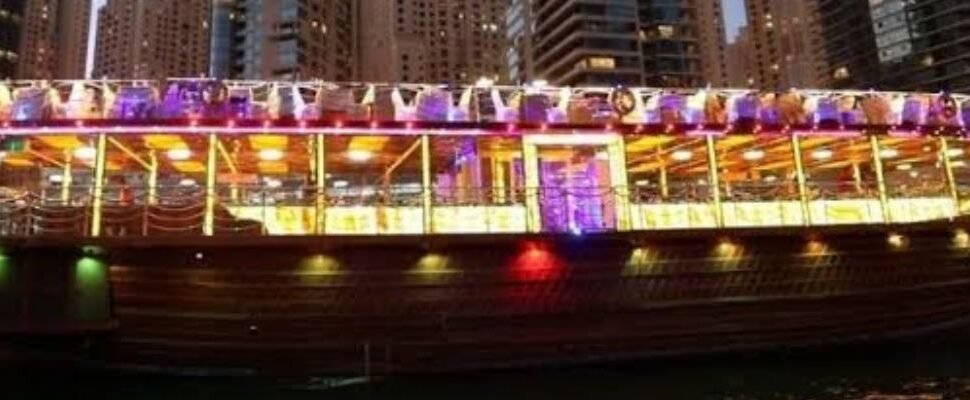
(404, 156)
(99, 163)
(618, 176)
(225, 156)
(208, 227)
(68, 177)
(951, 181)
(800, 176)
(321, 175)
(714, 180)
(124, 149)
(47, 158)
(152, 178)
(530, 159)
(426, 182)
(880, 179)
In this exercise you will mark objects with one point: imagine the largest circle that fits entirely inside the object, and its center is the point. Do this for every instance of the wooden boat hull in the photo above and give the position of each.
(429, 304)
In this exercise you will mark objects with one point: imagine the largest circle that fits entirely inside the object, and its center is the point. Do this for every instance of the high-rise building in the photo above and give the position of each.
(291, 39)
(453, 41)
(897, 44)
(631, 42)
(54, 39)
(11, 24)
(153, 39)
(786, 41)
(741, 60)
(227, 21)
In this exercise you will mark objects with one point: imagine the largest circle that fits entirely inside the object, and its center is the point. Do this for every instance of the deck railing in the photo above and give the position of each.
(263, 210)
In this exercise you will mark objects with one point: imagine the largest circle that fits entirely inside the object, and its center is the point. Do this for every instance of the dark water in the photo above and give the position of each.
(938, 366)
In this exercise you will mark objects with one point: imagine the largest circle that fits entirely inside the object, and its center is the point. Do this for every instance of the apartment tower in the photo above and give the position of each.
(619, 42)
(288, 39)
(786, 44)
(11, 25)
(441, 41)
(153, 39)
(897, 44)
(54, 39)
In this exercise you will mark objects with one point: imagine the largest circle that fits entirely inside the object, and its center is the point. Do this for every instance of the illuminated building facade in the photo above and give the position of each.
(626, 42)
(11, 25)
(896, 44)
(445, 41)
(144, 39)
(786, 43)
(54, 39)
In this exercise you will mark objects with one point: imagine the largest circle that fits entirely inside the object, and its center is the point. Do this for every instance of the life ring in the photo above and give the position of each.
(624, 101)
(949, 106)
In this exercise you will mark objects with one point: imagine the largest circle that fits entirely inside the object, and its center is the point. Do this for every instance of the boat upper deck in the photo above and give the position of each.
(205, 157)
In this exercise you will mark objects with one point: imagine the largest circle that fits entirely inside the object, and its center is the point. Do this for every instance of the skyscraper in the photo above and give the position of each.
(458, 41)
(153, 39)
(54, 39)
(291, 39)
(11, 24)
(631, 42)
(897, 44)
(741, 60)
(786, 43)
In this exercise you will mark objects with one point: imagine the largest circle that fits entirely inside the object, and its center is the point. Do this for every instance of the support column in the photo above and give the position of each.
(803, 196)
(98, 195)
(530, 164)
(620, 182)
(951, 181)
(321, 183)
(152, 178)
(426, 183)
(664, 184)
(880, 179)
(714, 181)
(208, 225)
(67, 178)
(498, 180)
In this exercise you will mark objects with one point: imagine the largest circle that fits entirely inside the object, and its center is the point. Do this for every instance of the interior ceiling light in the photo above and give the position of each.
(179, 154)
(85, 153)
(270, 154)
(682, 155)
(359, 155)
(754, 155)
(822, 154)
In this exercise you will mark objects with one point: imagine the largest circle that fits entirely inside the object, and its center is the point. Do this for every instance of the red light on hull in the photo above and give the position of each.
(536, 262)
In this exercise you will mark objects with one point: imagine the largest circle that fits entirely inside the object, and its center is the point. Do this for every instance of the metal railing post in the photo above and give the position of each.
(98, 196)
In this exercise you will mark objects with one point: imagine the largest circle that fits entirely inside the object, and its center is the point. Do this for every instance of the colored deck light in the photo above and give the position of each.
(271, 154)
(954, 152)
(896, 240)
(56, 178)
(188, 182)
(961, 239)
(904, 167)
(181, 154)
(85, 153)
(340, 184)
